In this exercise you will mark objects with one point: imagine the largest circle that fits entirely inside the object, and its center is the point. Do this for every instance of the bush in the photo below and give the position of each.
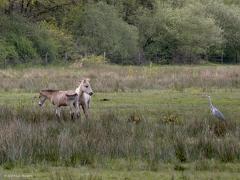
(179, 35)
(99, 29)
(45, 45)
(54, 42)
(91, 60)
(8, 54)
(24, 47)
(27, 42)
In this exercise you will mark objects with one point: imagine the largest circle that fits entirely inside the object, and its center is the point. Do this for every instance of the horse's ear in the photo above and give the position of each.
(84, 80)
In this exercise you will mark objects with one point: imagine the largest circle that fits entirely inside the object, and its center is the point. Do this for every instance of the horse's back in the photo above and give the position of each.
(64, 98)
(71, 95)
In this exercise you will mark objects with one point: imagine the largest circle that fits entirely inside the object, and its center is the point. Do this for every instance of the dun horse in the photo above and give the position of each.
(84, 92)
(60, 98)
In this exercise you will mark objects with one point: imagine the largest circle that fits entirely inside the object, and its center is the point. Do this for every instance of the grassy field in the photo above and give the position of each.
(151, 104)
(215, 170)
(177, 137)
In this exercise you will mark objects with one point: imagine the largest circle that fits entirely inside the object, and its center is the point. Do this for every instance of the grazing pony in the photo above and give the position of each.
(84, 92)
(60, 98)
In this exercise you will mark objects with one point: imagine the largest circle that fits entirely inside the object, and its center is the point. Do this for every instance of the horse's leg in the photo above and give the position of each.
(71, 113)
(77, 108)
(57, 112)
(78, 111)
(88, 103)
(71, 110)
(85, 110)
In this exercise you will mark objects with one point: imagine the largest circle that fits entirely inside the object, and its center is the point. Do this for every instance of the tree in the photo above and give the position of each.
(33, 42)
(228, 19)
(196, 32)
(161, 31)
(182, 34)
(8, 54)
(99, 29)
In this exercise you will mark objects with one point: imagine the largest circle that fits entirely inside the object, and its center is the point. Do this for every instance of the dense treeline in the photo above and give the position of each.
(126, 31)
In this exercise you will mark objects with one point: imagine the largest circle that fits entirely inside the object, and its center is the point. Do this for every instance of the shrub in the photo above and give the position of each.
(93, 60)
(99, 29)
(8, 54)
(23, 46)
(28, 42)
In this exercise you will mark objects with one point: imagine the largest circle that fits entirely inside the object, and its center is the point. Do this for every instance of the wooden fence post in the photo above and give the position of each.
(46, 58)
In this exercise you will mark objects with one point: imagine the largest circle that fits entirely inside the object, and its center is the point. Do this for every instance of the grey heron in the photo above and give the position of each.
(215, 112)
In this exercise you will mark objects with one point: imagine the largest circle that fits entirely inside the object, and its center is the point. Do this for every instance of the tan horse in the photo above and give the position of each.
(84, 92)
(60, 98)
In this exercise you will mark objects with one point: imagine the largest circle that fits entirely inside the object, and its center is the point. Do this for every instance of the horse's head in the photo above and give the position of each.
(85, 87)
(42, 98)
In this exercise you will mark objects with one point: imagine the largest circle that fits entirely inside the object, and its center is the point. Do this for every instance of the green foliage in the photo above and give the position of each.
(93, 60)
(45, 44)
(99, 29)
(178, 34)
(228, 19)
(23, 46)
(196, 32)
(128, 31)
(155, 36)
(128, 9)
(3, 3)
(32, 43)
(8, 54)
(8, 165)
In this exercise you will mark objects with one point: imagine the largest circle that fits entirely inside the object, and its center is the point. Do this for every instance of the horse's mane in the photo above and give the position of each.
(49, 90)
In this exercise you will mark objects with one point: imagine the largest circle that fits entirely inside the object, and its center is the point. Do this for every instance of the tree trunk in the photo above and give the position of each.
(22, 6)
(5, 63)
(66, 56)
(46, 58)
(27, 6)
(237, 57)
(10, 7)
(104, 56)
(222, 57)
(139, 57)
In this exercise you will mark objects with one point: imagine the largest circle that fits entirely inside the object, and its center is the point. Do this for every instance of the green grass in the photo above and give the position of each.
(152, 104)
(177, 124)
(179, 171)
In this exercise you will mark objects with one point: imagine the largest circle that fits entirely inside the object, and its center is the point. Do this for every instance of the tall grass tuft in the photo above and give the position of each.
(32, 136)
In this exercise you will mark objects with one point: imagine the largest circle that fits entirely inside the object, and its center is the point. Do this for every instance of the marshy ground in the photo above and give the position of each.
(176, 137)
